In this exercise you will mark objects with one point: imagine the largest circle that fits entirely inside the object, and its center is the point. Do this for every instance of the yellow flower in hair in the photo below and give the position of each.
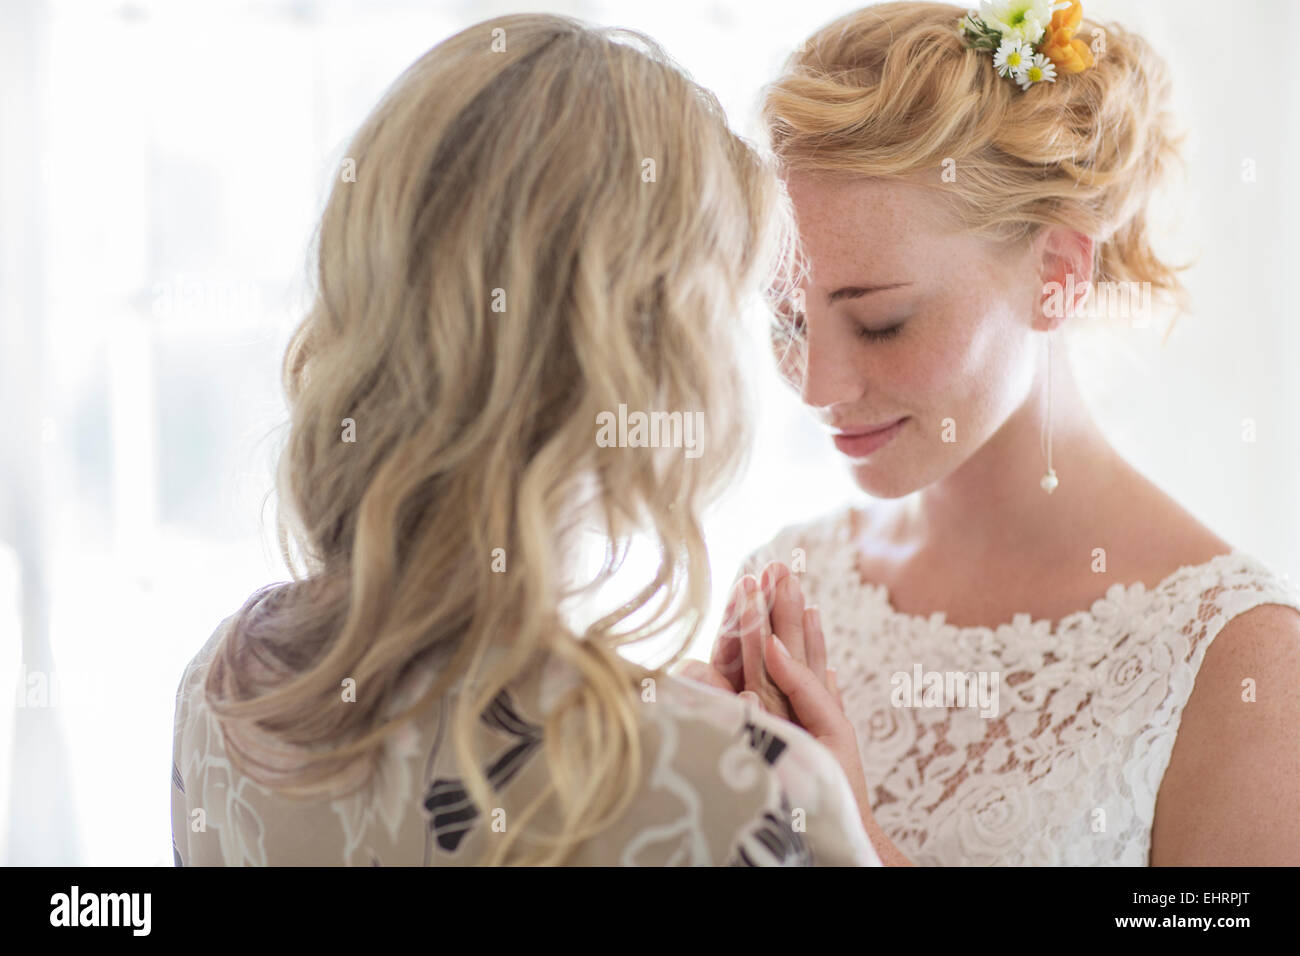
(1059, 44)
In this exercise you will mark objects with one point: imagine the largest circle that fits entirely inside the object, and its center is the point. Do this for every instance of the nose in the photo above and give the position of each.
(831, 376)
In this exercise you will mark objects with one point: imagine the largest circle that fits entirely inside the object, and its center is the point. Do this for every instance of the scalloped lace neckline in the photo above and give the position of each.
(938, 620)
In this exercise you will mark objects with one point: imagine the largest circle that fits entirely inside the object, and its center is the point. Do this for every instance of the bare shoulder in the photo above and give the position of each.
(1156, 535)
(1231, 791)
(1232, 787)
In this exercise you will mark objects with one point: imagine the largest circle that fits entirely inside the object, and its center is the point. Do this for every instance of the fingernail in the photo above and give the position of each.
(780, 647)
(793, 589)
(815, 615)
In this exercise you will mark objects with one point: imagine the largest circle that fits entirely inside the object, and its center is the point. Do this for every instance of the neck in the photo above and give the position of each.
(994, 504)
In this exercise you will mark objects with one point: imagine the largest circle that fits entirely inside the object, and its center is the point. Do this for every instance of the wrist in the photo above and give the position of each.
(889, 854)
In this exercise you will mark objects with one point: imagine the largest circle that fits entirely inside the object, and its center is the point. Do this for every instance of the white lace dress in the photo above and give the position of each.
(1068, 770)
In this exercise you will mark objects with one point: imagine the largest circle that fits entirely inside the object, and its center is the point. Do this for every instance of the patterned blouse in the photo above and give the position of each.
(721, 784)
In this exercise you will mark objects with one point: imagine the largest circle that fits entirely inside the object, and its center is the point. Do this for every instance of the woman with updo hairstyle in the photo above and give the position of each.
(548, 223)
(1043, 659)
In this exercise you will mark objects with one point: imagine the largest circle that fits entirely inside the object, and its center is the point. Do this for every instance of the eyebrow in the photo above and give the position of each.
(858, 291)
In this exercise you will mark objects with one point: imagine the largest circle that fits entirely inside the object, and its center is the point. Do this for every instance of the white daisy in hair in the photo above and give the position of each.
(1025, 20)
(1013, 57)
(1039, 70)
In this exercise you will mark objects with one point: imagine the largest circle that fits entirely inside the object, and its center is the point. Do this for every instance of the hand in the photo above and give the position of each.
(757, 606)
(771, 603)
(777, 658)
(746, 612)
(818, 707)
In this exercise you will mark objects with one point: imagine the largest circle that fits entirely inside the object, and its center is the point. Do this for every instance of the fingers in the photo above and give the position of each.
(754, 632)
(771, 582)
(814, 643)
(705, 674)
(787, 616)
(812, 703)
(833, 683)
(751, 633)
(784, 595)
(773, 573)
(726, 656)
(727, 662)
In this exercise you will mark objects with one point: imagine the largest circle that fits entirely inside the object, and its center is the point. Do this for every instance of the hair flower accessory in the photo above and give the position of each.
(1060, 46)
(1031, 40)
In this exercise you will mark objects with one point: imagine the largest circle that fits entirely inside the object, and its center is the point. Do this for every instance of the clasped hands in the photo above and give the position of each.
(772, 651)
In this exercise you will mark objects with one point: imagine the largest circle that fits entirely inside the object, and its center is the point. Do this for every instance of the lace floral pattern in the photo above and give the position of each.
(1067, 771)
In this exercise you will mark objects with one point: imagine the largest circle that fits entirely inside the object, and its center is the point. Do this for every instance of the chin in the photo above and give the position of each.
(898, 476)
(882, 482)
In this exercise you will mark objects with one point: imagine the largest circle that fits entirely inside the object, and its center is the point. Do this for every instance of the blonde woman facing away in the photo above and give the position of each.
(547, 222)
(1126, 688)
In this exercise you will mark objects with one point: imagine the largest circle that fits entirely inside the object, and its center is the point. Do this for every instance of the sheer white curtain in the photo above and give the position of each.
(161, 166)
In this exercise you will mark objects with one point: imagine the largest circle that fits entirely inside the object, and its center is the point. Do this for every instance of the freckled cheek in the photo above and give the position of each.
(970, 360)
(936, 369)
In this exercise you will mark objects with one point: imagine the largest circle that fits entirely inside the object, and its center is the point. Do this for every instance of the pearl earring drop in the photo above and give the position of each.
(1049, 481)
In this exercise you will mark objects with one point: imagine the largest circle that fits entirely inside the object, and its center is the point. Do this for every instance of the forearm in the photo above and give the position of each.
(889, 854)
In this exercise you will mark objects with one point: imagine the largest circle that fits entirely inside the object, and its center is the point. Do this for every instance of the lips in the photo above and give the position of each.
(861, 441)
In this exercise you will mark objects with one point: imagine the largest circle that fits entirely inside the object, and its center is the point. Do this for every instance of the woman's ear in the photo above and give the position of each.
(1065, 267)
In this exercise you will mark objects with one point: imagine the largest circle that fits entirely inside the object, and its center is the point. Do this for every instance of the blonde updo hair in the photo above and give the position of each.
(892, 91)
(504, 267)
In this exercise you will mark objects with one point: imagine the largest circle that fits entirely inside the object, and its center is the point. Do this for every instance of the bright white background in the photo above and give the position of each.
(161, 167)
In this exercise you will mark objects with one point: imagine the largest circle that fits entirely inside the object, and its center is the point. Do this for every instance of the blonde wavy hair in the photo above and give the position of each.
(547, 220)
(891, 91)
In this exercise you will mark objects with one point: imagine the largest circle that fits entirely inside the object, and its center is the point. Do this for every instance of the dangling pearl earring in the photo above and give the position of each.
(1049, 480)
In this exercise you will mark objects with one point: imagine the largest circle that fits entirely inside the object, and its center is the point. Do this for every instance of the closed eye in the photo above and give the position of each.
(879, 335)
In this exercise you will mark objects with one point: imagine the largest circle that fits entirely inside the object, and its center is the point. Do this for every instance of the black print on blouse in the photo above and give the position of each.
(770, 839)
(452, 813)
(768, 745)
